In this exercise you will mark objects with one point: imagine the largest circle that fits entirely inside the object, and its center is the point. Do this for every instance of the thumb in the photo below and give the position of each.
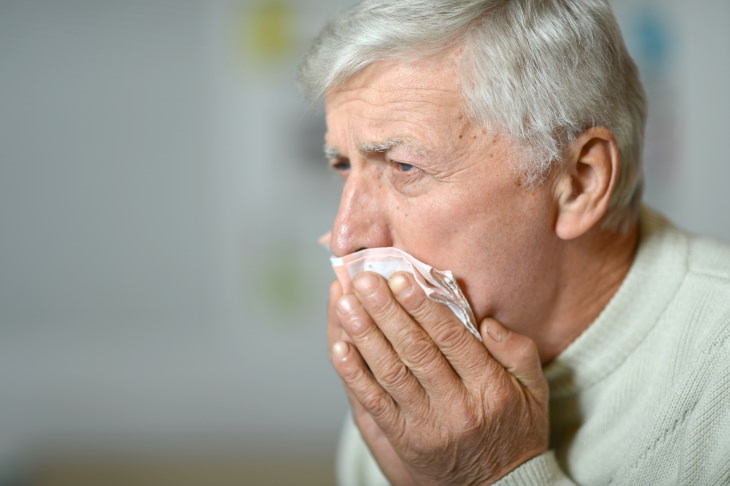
(517, 354)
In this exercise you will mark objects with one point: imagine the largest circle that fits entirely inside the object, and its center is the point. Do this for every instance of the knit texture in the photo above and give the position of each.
(643, 395)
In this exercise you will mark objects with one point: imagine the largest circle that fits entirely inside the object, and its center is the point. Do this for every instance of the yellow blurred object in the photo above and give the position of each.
(267, 31)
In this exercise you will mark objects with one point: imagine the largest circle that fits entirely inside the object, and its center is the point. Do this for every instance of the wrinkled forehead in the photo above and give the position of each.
(439, 72)
(405, 91)
(389, 101)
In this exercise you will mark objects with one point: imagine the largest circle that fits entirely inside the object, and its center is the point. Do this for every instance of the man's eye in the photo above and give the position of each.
(341, 165)
(404, 167)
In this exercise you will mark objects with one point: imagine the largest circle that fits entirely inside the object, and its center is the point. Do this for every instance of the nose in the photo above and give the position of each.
(362, 218)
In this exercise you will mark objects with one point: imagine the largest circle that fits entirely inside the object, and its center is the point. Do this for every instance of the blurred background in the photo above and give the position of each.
(162, 188)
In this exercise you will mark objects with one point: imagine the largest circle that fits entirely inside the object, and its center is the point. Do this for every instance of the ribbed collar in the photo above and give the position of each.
(653, 279)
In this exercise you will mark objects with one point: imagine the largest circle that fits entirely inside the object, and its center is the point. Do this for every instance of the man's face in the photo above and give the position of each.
(419, 176)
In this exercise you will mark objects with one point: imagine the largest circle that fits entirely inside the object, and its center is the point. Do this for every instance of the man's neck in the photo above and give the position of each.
(595, 266)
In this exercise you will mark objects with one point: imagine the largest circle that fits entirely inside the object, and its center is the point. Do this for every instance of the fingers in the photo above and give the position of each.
(334, 329)
(410, 342)
(388, 370)
(464, 353)
(362, 387)
(518, 355)
(368, 400)
(416, 348)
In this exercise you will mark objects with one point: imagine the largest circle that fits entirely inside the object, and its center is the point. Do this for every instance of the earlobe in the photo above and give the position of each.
(586, 182)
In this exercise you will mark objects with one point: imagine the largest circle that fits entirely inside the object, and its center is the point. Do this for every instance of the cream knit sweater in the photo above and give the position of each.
(642, 397)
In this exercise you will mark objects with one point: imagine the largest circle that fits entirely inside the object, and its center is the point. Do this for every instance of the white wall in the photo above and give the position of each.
(161, 192)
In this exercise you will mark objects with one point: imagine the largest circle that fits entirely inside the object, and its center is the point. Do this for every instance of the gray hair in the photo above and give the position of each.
(542, 71)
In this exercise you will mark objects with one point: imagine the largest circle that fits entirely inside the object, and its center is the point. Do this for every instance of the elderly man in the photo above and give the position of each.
(501, 139)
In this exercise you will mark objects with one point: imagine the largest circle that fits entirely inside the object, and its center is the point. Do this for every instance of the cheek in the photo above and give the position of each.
(439, 231)
(493, 245)
(507, 260)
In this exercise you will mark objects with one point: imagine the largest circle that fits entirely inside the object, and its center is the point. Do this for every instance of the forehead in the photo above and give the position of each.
(414, 95)
(434, 72)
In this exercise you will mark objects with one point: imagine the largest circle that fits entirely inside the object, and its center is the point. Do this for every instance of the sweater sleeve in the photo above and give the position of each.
(355, 465)
(542, 470)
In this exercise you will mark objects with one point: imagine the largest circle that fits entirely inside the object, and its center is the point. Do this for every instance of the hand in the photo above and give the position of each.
(435, 405)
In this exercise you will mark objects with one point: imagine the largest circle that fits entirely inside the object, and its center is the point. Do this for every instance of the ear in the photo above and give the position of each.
(586, 182)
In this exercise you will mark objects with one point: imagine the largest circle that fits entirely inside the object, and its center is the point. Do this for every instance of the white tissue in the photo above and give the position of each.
(439, 285)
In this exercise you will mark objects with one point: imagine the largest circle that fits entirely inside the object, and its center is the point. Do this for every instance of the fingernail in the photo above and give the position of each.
(495, 331)
(397, 283)
(339, 350)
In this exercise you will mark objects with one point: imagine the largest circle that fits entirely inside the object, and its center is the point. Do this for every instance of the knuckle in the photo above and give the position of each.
(376, 404)
(419, 352)
(352, 375)
(387, 311)
(531, 348)
(468, 420)
(465, 413)
(445, 329)
(450, 334)
(419, 305)
(359, 328)
(380, 304)
(395, 376)
(358, 325)
(524, 346)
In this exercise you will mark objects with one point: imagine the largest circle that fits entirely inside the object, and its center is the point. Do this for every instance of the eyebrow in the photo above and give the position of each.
(378, 148)
(331, 152)
(370, 148)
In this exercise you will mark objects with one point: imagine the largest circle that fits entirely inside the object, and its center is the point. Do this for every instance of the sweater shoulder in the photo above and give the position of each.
(703, 300)
(709, 256)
